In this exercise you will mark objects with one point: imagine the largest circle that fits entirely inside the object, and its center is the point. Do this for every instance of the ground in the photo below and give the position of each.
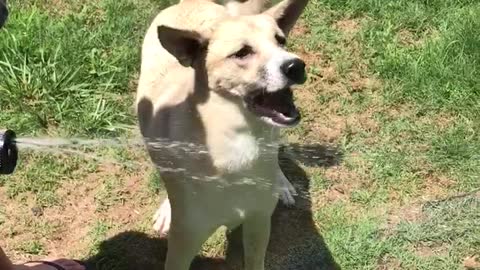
(386, 158)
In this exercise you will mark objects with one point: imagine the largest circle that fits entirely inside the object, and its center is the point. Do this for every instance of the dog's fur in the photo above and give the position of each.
(217, 157)
(162, 217)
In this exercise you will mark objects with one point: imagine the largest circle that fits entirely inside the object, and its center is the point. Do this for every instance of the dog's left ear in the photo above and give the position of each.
(184, 45)
(286, 13)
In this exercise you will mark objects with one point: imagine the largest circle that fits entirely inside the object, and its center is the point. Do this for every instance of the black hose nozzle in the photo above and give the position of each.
(8, 152)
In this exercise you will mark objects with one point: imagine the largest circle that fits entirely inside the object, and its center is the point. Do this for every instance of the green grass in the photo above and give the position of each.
(98, 233)
(32, 247)
(398, 82)
(42, 174)
(446, 234)
(427, 111)
(449, 233)
(109, 195)
(72, 73)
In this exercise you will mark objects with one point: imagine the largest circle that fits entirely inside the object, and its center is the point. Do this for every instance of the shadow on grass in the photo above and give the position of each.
(295, 243)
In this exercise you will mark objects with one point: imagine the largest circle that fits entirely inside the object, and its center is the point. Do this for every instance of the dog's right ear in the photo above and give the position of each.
(185, 45)
(286, 13)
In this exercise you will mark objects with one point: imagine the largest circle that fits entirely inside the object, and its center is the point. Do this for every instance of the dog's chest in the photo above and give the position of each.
(236, 152)
(235, 143)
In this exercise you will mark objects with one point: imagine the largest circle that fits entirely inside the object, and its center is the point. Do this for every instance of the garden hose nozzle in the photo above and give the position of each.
(8, 152)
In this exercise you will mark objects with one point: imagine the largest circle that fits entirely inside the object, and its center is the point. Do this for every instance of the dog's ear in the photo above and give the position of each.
(246, 7)
(286, 13)
(185, 45)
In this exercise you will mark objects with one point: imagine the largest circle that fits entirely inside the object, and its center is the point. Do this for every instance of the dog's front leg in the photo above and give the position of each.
(162, 218)
(185, 240)
(256, 234)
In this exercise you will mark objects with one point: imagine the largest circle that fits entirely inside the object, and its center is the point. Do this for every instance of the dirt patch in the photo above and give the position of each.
(411, 213)
(76, 215)
(329, 132)
(471, 263)
(436, 186)
(327, 116)
(342, 183)
(134, 206)
(337, 192)
(311, 58)
(399, 111)
(409, 39)
(348, 26)
(300, 29)
(327, 122)
(58, 7)
(429, 251)
(388, 263)
(359, 84)
(329, 74)
(441, 121)
(323, 97)
(444, 121)
(18, 224)
(63, 230)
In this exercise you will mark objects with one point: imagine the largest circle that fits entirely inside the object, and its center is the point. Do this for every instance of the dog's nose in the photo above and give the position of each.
(294, 70)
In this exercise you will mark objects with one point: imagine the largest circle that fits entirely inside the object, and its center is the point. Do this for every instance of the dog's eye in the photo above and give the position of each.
(281, 40)
(243, 52)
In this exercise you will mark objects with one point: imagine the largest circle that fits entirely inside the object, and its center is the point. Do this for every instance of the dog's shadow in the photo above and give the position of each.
(295, 243)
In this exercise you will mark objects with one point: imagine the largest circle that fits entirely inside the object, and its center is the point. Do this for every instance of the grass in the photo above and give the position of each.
(55, 70)
(33, 247)
(394, 87)
(445, 236)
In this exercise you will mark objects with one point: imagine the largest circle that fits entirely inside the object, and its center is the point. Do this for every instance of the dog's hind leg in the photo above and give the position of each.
(256, 234)
(286, 189)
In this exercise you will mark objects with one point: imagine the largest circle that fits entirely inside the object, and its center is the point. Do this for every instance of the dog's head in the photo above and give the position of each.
(245, 57)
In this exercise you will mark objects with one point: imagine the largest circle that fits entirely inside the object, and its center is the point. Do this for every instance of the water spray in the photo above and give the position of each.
(8, 152)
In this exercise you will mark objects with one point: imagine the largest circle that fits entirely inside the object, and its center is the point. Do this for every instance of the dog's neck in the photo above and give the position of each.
(244, 138)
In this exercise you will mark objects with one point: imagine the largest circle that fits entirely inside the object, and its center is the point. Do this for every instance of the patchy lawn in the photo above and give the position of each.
(386, 160)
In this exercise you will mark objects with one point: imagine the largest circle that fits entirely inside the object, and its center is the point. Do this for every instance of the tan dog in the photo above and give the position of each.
(162, 217)
(214, 89)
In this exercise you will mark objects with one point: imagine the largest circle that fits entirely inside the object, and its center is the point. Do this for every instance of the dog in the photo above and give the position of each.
(162, 216)
(215, 88)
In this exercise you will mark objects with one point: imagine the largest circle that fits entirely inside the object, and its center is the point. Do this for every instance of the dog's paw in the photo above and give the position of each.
(287, 190)
(162, 218)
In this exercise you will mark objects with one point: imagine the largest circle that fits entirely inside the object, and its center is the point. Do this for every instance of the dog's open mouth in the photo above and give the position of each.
(276, 108)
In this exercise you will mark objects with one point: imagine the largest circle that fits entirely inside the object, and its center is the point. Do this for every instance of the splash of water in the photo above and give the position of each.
(83, 148)
(47, 142)
(79, 146)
